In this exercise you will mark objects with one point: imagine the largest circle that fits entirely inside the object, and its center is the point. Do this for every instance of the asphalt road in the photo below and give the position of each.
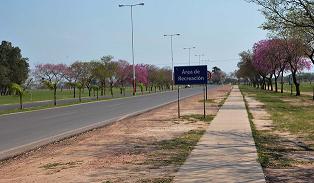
(18, 131)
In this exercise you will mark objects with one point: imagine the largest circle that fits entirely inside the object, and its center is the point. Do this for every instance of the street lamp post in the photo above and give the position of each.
(206, 60)
(131, 7)
(190, 53)
(171, 36)
(199, 58)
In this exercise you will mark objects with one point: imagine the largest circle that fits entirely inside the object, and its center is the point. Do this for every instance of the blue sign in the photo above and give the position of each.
(190, 75)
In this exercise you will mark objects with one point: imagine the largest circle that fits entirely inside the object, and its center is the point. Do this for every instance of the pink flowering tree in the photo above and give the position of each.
(141, 73)
(51, 75)
(217, 75)
(261, 61)
(124, 74)
(278, 62)
(269, 60)
(296, 60)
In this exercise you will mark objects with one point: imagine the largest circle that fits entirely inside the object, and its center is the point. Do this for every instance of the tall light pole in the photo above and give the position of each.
(171, 36)
(199, 58)
(131, 7)
(189, 53)
(206, 61)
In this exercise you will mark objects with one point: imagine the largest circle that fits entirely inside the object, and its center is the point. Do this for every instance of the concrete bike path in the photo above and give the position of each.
(226, 152)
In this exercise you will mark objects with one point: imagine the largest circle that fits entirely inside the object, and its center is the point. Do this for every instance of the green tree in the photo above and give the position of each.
(294, 18)
(110, 68)
(80, 87)
(96, 89)
(17, 89)
(13, 67)
(51, 75)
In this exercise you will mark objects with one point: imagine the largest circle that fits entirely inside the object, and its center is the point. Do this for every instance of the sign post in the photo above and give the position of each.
(205, 101)
(178, 102)
(209, 76)
(191, 75)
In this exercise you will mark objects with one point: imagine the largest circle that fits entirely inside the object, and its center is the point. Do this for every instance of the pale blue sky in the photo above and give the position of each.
(62, 31)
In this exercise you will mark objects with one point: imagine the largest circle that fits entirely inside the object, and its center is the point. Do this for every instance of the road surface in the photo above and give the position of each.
(22, 131)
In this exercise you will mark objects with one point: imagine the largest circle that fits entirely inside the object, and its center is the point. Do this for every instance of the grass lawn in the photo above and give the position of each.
(304, 87)
(289, 113)
(45, 94)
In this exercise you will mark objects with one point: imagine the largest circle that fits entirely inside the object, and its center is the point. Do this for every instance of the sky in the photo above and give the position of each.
(64, 31)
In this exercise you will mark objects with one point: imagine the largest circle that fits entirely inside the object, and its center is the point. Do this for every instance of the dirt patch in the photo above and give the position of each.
(285, 157)
(124, 151)
(299, 102)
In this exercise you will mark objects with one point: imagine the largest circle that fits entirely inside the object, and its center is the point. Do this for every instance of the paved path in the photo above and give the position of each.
(226, 152)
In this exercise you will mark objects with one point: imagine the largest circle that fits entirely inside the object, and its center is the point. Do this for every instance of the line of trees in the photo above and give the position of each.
(269, 60)
(96, 76)
(290, 48)
(99, 75)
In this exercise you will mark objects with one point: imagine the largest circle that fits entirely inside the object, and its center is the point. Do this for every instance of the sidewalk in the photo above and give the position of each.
(226, 152)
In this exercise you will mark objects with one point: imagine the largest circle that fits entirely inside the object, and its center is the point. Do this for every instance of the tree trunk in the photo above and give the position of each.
(21, 101)
(263, 84)
(55, 95)
(104, 85)
(111, 89)
(74, 93)
(97, 93)
(276, 84)
(281, 90)
(89, 91)
(297, 85)
(80, 95)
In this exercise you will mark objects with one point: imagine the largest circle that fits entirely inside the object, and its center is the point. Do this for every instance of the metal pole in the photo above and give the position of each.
(134, 77)
(204, 103)
(206, 90)
(178, 102)
(171, 63)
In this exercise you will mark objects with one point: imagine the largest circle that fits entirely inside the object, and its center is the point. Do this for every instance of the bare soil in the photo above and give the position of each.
(115, 153)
